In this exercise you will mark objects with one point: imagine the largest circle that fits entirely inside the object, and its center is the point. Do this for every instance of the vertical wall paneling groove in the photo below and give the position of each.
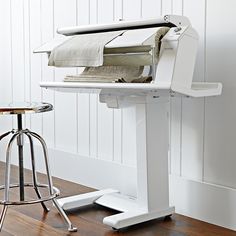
(1, 55)
(10, 40)
(151, 8)
(47, 72)
(176, 116)
(17, 50)
(131, 11)
(204, 103)
(166, 7)
(36, 62)
(83, 16)
(6, 55)
(41, 58)
(83, 121)
(54, 78)
(177, 7)
(128, 122)
(26, 63)
(105, 11)
(11, 59)
(77, 94)
(27, 53)
(220, 128)
(192, 110)
(65, 104)
(93, 13)
(105, 115)
(118, 12)
(117, 116)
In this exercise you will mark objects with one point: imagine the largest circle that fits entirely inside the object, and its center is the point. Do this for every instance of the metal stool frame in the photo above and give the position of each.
(53, 192)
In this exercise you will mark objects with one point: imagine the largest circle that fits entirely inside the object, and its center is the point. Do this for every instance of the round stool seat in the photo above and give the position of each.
(17, 108)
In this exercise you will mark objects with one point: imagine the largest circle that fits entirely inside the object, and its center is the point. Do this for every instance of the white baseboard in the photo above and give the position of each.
(93, 172)
(206, 202)
(87, 171)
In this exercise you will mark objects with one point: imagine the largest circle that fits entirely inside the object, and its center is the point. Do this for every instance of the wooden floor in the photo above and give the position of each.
(31, 220)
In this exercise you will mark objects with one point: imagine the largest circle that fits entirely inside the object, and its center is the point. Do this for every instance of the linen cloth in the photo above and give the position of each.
(82, 50)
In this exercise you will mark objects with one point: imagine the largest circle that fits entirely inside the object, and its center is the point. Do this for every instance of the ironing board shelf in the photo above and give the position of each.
(126, 88)
(89, 85)
(198, 89)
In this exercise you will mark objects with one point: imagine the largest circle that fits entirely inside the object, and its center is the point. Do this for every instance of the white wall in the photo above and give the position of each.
(82, 131)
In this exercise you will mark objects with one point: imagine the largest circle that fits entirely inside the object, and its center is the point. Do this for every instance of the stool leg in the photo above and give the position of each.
(34, 174)
(7, 179)
(71, 228)
(5, 135)
(20, 143)
(2, 216)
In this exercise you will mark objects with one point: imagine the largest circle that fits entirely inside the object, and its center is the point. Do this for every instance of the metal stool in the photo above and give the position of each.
(18, 135)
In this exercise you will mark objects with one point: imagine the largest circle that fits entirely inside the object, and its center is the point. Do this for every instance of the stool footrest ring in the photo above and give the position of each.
(32, 201)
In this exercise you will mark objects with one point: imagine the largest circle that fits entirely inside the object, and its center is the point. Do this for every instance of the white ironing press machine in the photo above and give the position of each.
(169, 62)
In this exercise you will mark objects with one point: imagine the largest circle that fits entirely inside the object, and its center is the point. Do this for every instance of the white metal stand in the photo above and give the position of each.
(152, 132)
(174, 73)
(152, 172)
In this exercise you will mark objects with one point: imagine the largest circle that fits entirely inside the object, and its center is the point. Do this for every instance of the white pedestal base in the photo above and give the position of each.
(131, 214)
(152, 172)
(135, 217)
(76, 201)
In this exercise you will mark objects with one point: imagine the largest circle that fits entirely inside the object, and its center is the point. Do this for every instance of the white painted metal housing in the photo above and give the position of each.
(176, 62)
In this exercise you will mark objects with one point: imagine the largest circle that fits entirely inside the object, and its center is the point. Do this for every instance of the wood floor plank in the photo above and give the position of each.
(4, 233)
(21, 225)
(32, 220)
(194, 227)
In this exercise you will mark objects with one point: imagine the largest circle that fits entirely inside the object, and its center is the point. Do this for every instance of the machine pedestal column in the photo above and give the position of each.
(152, 201)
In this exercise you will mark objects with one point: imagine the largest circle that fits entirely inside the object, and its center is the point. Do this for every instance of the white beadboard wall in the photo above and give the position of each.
(96, 144)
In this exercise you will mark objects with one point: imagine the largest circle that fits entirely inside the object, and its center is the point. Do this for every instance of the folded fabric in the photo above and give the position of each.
(82, 50)
(111, 74)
